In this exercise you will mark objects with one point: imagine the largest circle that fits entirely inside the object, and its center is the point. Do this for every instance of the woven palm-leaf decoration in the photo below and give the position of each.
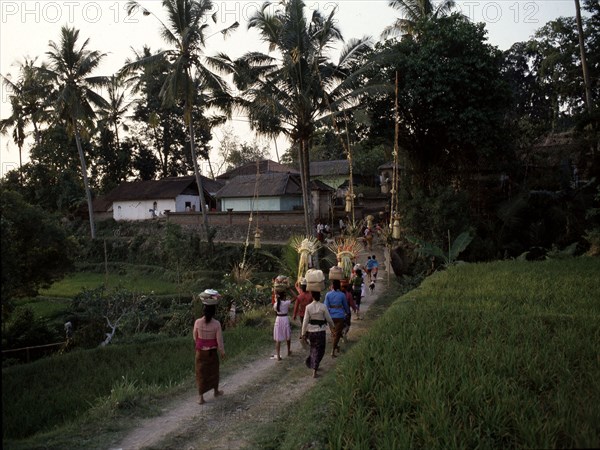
(305, 246)
(347, 250)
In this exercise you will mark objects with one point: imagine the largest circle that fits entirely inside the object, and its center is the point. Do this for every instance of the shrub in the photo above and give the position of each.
(430, 216)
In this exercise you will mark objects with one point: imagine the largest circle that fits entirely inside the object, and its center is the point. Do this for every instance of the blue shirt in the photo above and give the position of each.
(337, 304)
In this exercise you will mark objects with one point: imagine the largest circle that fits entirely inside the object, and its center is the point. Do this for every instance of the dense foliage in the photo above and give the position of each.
(36, 249)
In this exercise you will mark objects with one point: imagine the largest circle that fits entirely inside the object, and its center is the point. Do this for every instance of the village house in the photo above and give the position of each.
(142, 200)
(273, 191)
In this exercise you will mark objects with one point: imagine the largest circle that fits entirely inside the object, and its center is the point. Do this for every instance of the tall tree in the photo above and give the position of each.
(70, 68)
(415, 11)
(26, 96)
(290, 90)
(191, 69)
(117, 106)
(452, 101)
(159, 128)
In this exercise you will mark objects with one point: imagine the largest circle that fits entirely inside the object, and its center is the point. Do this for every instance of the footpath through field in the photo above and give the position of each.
(254, 395)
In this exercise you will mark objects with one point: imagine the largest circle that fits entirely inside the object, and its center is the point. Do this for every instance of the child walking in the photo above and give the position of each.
(282, 330)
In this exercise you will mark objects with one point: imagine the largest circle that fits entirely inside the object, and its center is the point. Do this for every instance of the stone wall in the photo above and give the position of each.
(275, 226)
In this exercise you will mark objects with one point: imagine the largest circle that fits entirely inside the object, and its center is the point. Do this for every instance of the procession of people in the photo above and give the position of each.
(344, 294)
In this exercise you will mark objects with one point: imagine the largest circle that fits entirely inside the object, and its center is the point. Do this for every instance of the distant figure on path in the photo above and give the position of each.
(374, 268)
(347, 289)
(357, 282)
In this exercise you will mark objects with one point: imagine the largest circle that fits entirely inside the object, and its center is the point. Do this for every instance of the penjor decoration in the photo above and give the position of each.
(305, 246)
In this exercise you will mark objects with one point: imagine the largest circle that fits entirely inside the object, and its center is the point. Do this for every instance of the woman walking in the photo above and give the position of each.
(208, 337)
(357, 282)
(336, 303)
(316, 319)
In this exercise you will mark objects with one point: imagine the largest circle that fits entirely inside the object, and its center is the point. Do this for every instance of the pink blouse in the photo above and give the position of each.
(208, 335)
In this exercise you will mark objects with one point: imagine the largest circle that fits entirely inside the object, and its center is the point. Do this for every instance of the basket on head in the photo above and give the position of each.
(336, 273)
(210, 297)
(281, 283)
(314, 276)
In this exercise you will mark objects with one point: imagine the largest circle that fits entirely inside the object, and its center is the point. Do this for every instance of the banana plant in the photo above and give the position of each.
(455, 248)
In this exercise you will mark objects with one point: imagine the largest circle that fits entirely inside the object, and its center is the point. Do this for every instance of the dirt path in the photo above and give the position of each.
(254, 395)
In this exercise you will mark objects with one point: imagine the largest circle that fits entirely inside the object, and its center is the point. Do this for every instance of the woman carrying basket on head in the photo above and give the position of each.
(208, 339)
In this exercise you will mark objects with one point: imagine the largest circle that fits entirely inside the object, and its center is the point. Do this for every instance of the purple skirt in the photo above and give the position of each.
(317, 341)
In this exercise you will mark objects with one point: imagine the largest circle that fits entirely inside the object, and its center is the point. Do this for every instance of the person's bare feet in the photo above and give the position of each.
(201, 401)
(315, 375)
(219, 393)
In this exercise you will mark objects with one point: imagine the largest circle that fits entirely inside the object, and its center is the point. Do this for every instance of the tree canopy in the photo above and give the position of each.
(36, 249)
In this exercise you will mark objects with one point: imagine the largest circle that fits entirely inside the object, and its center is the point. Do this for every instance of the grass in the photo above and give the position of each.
(64, 401)
(46, 307)
(74, 283)
(499, 355)
(492, 355)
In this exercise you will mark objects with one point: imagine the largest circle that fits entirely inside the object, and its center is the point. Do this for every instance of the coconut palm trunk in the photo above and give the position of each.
(305, 185)
(584, 65)
(86, 183)
(199, 180)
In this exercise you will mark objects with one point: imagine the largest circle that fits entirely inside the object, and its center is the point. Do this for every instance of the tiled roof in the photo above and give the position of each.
(267, 184)
(264, 166)
(328, 168)
(165, 188)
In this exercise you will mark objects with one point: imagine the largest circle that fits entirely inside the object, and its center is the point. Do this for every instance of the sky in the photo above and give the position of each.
(27, 26)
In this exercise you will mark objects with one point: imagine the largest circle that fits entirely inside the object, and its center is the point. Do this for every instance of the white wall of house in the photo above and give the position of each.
(321, 204)
(148, 209)
(182, 202)
(260, 204)
(142, 209)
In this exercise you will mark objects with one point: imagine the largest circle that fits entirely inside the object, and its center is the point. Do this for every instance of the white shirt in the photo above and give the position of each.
(316, 311)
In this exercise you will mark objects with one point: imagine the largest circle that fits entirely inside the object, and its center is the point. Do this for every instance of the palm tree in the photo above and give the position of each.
(415, 11)
(191, 71)
(584, 65)
(70, 69)
(117, 105)
(292, 90)
(26, 97)
(18, 120)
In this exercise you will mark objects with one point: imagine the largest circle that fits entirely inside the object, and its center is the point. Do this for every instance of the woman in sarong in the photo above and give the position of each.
(208, 337)
(314, 326)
